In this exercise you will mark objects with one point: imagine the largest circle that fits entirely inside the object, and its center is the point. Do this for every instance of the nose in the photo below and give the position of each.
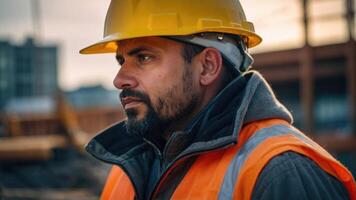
(124, 79)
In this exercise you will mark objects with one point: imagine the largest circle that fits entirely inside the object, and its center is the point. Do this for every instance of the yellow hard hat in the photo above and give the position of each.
(128, 19)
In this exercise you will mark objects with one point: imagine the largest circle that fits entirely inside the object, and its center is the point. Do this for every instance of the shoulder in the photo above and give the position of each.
(294, 176)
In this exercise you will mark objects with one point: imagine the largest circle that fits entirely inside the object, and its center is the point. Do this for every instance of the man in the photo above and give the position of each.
(200, 124)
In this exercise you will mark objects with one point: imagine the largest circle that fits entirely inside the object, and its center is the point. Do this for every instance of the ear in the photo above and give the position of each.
(211, 66)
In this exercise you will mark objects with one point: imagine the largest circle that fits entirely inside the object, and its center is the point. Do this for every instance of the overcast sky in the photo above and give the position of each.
(73, 24)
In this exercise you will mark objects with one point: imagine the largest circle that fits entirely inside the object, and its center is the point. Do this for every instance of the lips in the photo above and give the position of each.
(129, 102)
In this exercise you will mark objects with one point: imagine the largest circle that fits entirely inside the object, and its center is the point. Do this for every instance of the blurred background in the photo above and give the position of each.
(53, 100)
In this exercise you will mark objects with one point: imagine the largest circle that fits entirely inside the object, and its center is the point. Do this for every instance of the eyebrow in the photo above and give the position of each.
(132, 52)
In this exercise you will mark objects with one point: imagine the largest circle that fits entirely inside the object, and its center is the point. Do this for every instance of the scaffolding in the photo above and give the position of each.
(306, 64)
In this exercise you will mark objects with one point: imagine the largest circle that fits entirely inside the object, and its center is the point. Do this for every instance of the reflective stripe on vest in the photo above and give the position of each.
(293, 141)
(227, 188)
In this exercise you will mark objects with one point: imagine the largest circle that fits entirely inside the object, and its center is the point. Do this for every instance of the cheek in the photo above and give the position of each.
(164, 85)
(174, 98)
(161, 84)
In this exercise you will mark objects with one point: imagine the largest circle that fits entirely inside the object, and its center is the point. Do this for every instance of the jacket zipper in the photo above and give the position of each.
(156, 149)
(180, 159)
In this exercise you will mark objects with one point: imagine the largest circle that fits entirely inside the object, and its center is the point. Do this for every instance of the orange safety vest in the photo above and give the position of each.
(231, 173)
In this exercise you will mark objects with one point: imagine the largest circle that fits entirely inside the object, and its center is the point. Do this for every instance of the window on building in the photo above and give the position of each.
(288, 94)
(331, 107)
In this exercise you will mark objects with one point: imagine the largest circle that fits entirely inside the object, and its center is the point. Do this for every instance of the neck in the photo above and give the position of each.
(183, 122)
(178, 125)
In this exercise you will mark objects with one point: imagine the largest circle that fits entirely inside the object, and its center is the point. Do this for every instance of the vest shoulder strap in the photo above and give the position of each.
(282, 138)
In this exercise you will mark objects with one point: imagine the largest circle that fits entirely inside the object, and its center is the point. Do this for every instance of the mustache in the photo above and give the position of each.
(136, 94)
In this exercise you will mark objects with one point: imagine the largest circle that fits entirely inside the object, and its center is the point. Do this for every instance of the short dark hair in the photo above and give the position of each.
(190, 50)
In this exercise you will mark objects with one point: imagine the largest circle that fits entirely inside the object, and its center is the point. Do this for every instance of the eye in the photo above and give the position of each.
(144, 58)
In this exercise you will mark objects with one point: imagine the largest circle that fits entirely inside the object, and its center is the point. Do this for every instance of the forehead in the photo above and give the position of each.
(154, 43)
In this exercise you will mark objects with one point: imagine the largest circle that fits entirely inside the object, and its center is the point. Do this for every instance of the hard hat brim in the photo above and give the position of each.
(109, 43)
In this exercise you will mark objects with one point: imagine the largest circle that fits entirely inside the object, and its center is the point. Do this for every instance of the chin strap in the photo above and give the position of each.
(233, 48)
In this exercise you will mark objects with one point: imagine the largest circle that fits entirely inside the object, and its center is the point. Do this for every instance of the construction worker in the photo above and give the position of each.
(200, 124)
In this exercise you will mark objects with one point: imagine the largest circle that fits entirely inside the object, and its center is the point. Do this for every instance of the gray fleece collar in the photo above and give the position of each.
(259, 103)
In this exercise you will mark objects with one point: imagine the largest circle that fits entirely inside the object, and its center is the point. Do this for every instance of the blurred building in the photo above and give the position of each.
(95, 108)
(325, 105)
(27, 70)
(88, 109)
(93, 96)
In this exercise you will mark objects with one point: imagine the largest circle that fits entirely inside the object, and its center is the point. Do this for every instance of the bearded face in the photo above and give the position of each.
(174, 102)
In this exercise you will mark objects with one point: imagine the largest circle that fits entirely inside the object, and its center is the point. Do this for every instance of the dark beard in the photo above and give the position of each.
(149, 125)
(155, 123)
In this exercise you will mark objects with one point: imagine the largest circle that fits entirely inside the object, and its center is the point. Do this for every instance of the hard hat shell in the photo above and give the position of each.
(128, 19)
